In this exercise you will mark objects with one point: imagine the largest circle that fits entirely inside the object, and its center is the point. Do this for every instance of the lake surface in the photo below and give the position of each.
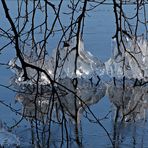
(110, 116)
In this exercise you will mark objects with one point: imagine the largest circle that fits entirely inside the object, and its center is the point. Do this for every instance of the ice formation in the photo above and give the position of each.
(87, 64)
(131, 62)
(61, 64)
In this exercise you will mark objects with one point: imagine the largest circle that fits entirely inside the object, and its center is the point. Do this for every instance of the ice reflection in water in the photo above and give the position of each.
(130, 103)
(129, 107)
(84, 95)
(129, 115)
(61, 111)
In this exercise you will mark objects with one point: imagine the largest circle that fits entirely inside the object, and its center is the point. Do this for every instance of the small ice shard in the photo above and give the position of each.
(15, 66)
(8, 139)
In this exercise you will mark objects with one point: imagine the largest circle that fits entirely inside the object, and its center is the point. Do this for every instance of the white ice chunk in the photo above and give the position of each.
(131, 61)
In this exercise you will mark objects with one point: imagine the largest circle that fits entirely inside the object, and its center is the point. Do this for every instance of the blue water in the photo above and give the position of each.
(98, 32)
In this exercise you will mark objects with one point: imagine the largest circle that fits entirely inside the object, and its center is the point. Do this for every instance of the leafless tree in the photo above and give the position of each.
(30, 33)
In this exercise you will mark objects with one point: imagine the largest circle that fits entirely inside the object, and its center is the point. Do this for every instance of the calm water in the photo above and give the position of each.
(107, 109)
